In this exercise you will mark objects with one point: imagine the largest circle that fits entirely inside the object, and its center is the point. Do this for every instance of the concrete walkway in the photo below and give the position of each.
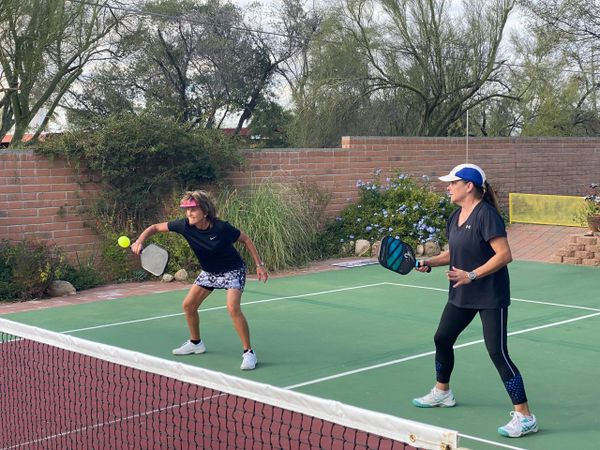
(527, 242)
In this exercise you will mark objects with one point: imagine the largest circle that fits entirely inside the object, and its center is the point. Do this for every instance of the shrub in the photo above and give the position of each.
(27, 269)
(140, 160)
(282, 221)
(401, 207)
(83, 275)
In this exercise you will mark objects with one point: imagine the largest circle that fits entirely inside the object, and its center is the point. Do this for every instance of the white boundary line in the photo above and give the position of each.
(215, 308)
(538, 302)
(486, 441)
(311, 294)
(421, 355)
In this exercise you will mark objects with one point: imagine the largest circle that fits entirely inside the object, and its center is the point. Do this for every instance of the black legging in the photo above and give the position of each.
(454, 320)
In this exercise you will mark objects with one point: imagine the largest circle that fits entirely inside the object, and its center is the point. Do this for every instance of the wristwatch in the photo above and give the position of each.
(472, 276)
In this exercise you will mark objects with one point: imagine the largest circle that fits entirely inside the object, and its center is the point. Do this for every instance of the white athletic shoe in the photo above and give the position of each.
(443, 399)
(248, 361)
(519, 425)
(189, 348)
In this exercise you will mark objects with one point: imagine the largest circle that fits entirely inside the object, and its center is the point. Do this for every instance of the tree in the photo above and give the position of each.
(199, 63)
(292, 32)
(569, 31)
(416, 65)
(44, 47)
(331, 93)
(580, 19)
(270, 123)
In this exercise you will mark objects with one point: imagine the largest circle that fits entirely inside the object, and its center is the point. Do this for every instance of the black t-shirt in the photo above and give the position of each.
(213, 247)
(469, 249)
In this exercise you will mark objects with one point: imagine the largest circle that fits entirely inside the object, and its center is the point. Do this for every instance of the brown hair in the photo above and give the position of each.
(204, 201)
(487, 194)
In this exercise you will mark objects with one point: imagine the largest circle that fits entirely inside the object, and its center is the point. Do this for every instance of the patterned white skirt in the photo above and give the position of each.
(233, 279)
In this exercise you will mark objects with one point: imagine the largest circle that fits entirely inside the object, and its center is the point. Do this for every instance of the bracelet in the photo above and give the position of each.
(260, 264)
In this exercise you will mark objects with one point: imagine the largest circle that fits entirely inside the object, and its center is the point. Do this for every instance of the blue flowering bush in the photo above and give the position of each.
(399, 206)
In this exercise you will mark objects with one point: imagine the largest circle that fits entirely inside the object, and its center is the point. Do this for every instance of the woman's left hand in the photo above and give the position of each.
(262, 273)
(458, 276)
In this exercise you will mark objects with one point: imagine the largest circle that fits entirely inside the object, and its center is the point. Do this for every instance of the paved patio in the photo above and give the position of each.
(539, 242)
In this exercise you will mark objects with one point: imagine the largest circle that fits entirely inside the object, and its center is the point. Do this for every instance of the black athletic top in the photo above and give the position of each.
(469, 249)
(213, 247)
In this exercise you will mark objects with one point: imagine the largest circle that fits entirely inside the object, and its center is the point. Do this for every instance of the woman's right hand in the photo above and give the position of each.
(137, 247)
(423, 267)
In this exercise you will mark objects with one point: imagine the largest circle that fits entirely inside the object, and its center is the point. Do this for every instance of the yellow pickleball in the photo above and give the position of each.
(124, 241)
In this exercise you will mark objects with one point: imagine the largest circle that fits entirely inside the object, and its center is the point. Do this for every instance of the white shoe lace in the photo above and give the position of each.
(515, 422)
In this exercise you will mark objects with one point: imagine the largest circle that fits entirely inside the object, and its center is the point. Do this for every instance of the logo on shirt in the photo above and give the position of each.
(467, 227)
(212, 238)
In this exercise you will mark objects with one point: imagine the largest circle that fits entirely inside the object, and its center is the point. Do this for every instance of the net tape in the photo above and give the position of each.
(153, 386)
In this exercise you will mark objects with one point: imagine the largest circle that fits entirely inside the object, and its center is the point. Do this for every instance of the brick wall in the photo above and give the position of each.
(526, 165)
(39, 198)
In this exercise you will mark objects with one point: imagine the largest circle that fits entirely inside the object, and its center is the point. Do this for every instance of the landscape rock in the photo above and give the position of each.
(362, 247)
(181, 275)
(431, 248)
(60, 288)
(375, 249)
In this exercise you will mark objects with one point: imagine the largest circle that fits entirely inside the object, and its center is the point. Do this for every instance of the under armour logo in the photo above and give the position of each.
(467, 227)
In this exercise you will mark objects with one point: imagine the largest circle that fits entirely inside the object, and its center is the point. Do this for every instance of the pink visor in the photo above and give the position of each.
(188, 204)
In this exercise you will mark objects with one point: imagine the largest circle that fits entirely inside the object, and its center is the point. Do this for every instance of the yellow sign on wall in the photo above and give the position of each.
(545, 209)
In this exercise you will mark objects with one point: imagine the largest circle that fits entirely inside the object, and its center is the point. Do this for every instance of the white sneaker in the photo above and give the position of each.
(519, 425)
(189, 348)
(248, 361)
(443, 399)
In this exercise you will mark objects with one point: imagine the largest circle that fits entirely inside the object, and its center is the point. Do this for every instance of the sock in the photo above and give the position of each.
(195, 341)
(248, 350)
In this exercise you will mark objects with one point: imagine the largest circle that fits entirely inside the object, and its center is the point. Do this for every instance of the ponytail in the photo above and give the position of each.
(489, 195)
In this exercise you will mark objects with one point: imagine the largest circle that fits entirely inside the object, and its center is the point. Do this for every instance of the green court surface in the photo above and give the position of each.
(364, 336)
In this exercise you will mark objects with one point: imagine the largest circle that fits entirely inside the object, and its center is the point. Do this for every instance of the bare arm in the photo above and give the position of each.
(502, 257)
(261, 271)
(443, 259)
(138, 246)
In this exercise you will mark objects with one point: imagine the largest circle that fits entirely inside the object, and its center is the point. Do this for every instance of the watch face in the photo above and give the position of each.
(472, 276)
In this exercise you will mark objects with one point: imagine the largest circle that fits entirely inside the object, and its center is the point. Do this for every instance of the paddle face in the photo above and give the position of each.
(396, 255)
(154, 259)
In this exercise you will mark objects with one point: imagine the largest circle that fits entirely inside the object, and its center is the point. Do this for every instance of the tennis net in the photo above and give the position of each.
(59, 391)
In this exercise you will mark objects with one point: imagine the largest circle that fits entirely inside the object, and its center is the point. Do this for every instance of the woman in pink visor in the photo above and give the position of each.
(212, 241)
